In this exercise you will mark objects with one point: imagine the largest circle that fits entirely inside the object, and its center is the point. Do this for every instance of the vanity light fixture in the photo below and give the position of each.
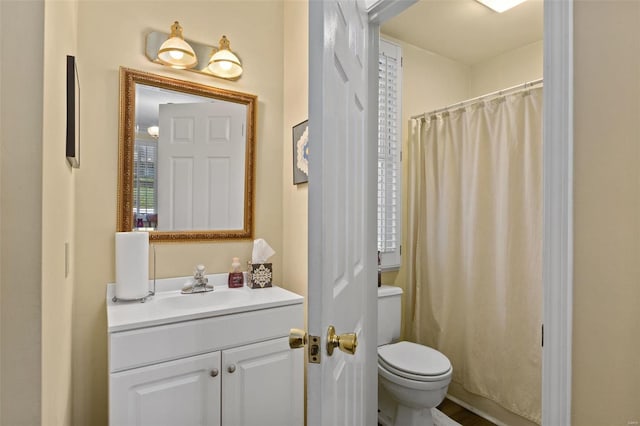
(500, 5)
(154, 131)
(224, 63)
(175, 52)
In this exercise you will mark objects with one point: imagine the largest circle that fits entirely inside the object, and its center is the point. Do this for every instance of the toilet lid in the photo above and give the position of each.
(414, 359)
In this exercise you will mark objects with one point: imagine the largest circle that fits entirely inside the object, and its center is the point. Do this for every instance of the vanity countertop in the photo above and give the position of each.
(168, 305)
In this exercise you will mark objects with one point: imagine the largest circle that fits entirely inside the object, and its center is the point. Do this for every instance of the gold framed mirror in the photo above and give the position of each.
(186, 159)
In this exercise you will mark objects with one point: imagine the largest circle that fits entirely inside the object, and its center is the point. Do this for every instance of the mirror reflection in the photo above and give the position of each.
(188, 150)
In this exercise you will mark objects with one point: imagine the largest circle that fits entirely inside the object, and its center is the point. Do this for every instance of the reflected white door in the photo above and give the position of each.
(201, 157)
(342, 389)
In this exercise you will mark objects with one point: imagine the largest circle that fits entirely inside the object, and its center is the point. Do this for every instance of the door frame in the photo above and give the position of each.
(557, 246)
(557, 240)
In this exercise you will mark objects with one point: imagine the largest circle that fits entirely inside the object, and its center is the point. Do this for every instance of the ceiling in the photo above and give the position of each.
(465, 30)
(148, 99)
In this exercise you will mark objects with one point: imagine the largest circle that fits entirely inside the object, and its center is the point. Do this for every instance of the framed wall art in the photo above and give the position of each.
(73, 113)
(301, 153)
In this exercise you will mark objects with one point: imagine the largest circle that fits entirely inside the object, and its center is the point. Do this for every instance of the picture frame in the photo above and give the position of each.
(301, 153)
(73, 114)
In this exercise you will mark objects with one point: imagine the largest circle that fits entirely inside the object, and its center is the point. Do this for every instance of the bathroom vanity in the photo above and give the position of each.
(217, 358)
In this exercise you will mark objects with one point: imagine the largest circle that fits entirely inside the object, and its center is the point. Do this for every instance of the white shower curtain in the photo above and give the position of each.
(474, 288)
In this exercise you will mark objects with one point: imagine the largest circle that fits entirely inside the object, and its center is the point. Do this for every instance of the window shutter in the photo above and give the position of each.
(389, 157)
(145, 157)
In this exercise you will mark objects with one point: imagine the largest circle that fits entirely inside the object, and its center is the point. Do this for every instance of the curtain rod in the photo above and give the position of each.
(478, 98)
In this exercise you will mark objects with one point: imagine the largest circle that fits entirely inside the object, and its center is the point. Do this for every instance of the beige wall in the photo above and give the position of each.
(507, 70)
(58, 216)
(606, 334)
(296, 100)
(111, 34)
(429, 81)
(21, 147)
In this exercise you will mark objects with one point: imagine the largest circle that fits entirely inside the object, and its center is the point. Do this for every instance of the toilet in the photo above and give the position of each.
(412, 378)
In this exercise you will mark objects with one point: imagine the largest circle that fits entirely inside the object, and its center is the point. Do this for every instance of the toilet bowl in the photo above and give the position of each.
(413, 378)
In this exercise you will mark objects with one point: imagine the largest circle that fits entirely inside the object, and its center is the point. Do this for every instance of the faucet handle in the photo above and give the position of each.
(199, 270)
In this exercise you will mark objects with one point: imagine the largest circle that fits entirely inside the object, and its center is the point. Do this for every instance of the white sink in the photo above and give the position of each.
(168, 305)
(212, 300)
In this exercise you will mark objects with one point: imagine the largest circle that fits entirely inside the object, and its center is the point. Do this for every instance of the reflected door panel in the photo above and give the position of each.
(201, 156)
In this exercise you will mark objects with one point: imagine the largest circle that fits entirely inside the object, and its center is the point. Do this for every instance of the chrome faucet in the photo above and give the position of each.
(200, 283)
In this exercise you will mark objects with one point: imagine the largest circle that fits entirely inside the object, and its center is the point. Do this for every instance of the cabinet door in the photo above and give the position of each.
(263, 385)
(184, 392)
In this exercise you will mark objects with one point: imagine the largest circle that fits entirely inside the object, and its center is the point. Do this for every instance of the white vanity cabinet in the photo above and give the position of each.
(230, 369)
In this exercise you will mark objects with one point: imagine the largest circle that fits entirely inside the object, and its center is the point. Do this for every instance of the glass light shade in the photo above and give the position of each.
(175, 52)
(153, 131)
(224, 63)
(500, 5)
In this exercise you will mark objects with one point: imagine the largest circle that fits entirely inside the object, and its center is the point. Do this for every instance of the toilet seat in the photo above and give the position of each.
(414, 362)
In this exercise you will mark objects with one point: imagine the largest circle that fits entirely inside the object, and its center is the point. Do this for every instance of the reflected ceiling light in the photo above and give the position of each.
(154, 131)
(175, 52)
(224, 63)
(500, 5)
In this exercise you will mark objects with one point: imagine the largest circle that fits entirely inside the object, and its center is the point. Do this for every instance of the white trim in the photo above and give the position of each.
(557, 212)
(383, 10)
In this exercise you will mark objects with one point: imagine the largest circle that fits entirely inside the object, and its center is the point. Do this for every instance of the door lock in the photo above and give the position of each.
(298, 339)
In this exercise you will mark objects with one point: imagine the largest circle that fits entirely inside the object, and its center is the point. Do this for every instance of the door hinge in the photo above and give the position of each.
(314, 349)
(542, 342)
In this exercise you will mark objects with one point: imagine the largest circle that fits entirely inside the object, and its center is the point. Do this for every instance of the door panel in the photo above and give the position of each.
(264, 385)
(342, 215)
(201, 155)
(181, 392)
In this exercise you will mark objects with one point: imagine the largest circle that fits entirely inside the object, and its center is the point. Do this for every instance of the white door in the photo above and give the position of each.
(342, 388)
(201, 156)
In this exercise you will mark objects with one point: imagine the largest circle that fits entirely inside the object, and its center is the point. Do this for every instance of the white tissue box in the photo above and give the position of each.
(260, 275)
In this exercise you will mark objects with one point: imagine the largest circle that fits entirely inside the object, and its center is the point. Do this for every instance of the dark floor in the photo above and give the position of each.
(462, 415)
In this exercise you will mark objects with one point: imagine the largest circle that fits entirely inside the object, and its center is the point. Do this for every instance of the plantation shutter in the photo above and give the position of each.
(389, 155)
(144, 174)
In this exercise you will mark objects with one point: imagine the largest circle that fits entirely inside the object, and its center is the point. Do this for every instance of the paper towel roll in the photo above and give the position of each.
(132, 265)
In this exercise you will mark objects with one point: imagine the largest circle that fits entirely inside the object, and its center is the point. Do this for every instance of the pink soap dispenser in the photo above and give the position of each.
(236, 277)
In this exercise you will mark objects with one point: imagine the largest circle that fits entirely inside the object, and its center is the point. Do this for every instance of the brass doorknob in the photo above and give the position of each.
(297, 338)
(347, 342)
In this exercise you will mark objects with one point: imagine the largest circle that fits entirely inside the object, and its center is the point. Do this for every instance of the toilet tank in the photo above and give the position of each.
(389, 314)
